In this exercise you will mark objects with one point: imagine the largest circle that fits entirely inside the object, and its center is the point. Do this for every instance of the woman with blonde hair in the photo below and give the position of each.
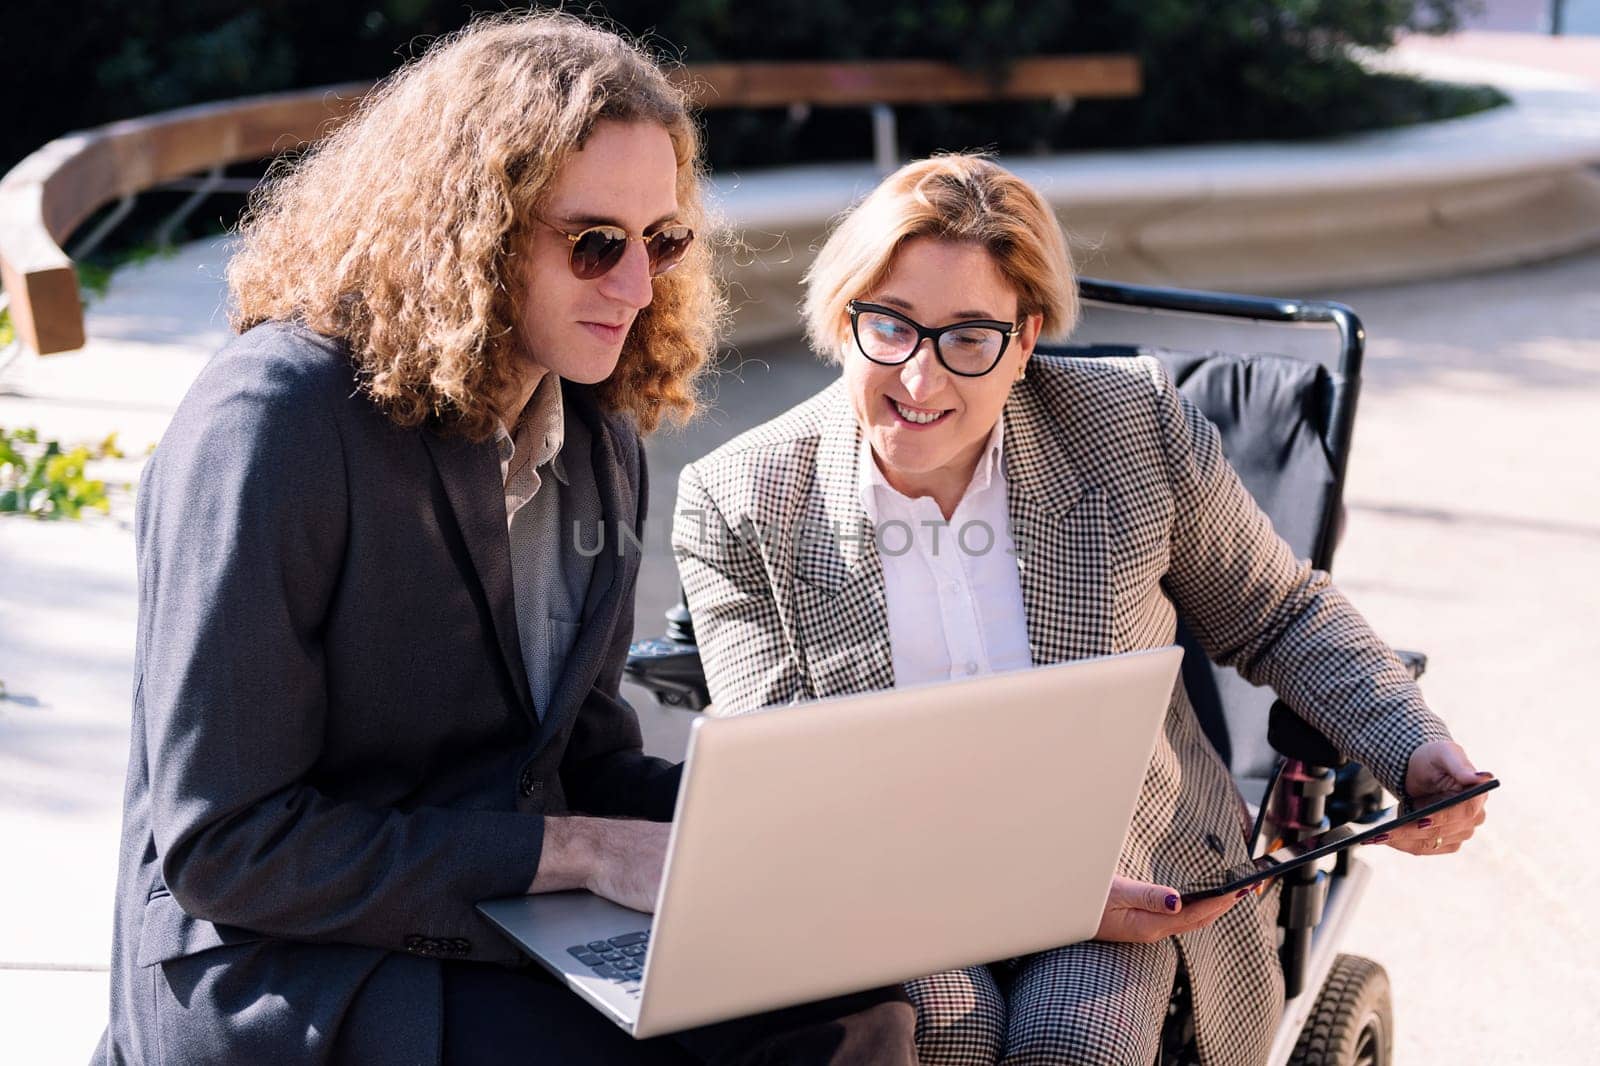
(1107, 512)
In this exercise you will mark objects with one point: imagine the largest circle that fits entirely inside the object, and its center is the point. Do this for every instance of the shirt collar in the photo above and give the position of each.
(870, 480)
(541, 429)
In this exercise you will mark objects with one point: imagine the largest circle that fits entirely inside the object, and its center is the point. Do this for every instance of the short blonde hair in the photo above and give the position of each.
(399, 234)
(963, 198)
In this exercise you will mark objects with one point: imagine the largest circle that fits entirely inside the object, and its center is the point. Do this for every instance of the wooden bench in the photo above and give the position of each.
(882, 84)
(56, 189)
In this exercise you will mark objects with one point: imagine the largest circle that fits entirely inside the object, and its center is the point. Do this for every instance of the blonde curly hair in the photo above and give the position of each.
(399, 232)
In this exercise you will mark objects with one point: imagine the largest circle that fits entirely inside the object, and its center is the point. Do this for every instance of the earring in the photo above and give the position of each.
(1022, 371)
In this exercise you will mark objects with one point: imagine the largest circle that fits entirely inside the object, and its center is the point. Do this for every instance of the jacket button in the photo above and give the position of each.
(528, 783)
(1214, 842)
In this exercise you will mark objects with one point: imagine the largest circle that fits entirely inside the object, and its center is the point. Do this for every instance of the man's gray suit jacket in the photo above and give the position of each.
(334, 752)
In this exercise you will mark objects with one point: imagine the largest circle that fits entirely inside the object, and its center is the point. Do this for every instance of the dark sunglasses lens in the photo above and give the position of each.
(667, 247)
(597, 251)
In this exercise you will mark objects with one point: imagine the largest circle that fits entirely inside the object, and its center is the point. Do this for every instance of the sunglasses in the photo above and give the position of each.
(599, 248)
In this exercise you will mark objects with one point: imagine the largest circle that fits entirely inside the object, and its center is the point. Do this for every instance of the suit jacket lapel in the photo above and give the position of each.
(841, 617)
(1060, 528)
(471, 476)
(1059, 525)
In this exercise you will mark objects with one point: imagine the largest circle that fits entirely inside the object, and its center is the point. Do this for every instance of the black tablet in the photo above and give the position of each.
(1286, 858)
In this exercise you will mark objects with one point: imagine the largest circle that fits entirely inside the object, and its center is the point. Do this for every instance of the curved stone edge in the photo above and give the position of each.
(1512, 185)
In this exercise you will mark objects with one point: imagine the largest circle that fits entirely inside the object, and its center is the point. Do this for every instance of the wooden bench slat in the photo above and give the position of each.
(46, 308)
(725, 85)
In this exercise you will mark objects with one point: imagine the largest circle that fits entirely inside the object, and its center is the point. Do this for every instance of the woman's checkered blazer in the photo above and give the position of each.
(1125, 516)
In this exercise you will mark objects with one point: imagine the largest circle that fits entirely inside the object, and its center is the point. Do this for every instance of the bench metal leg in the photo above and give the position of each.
(169, 226)
(885, 146)
(103, 228)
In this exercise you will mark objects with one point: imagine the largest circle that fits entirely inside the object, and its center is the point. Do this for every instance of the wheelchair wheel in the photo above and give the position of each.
(1352, 1023)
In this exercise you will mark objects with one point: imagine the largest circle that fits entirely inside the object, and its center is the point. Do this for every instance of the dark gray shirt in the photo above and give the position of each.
(546, 501)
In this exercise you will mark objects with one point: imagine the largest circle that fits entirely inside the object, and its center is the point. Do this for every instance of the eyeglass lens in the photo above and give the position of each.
(599, 248)
(968, 350)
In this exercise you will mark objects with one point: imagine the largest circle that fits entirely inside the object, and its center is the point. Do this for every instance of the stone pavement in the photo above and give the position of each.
(1473, 532)
(1473, 535)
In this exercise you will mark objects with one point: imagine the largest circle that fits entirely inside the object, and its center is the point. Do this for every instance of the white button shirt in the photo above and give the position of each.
(952, 588)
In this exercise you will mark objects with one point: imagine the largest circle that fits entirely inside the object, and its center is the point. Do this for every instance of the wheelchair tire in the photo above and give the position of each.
(1352, 1023)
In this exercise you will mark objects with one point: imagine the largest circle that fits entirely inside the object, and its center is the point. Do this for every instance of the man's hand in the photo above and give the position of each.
(1141, 913)
(630, 857)
(1438, 769)
(619, 859)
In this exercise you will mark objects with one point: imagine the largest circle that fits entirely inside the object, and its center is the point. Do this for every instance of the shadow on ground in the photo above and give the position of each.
(1464, 328)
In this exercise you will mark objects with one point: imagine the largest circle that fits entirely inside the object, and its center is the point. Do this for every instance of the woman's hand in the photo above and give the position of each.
(1141, 913)
(1436, 769)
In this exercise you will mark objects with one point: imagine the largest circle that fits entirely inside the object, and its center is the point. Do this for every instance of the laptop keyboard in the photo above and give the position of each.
(620, 959)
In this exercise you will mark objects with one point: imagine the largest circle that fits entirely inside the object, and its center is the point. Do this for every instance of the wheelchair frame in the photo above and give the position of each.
(1311, 789)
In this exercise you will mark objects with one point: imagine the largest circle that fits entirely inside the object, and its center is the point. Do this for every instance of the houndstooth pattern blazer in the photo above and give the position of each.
(1125, 515)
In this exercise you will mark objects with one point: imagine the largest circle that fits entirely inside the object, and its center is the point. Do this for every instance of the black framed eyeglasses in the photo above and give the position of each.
(969, 349)
(596, 250)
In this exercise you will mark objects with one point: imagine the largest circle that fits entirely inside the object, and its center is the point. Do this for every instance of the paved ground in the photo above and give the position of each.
(1475, 520)
(1534, 16)
(1473, 535)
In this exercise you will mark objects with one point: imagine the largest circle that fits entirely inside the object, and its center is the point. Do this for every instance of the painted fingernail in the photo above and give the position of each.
(1484, 773)
(1172, 903)
(1242, 893)
(1425, 823)
(1379, 839)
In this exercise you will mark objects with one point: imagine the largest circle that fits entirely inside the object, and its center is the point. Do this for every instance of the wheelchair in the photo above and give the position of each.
(1281, 379)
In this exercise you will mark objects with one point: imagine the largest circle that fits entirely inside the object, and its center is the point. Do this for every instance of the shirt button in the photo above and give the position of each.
(527, 784)
(953, 586)
(972, 667)
(1214, 842)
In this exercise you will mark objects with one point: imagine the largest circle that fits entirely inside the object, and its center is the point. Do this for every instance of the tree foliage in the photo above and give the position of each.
(1223, 70)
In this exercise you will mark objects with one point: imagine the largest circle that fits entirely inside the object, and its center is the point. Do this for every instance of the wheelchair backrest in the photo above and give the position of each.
(1285, 414)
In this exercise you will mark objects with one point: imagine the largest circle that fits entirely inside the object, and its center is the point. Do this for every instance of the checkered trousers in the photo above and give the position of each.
(1089, 1004)
(1125, 514)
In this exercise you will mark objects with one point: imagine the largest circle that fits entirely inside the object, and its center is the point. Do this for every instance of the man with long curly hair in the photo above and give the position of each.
(378, 658)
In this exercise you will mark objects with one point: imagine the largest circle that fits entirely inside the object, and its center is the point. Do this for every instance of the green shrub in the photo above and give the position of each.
(43, 479)
(96, 270)
(1223, 70)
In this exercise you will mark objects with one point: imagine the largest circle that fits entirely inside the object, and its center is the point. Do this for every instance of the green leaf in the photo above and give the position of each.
(48, 480)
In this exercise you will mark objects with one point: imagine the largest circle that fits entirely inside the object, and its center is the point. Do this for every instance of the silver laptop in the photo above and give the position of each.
(841, 845)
